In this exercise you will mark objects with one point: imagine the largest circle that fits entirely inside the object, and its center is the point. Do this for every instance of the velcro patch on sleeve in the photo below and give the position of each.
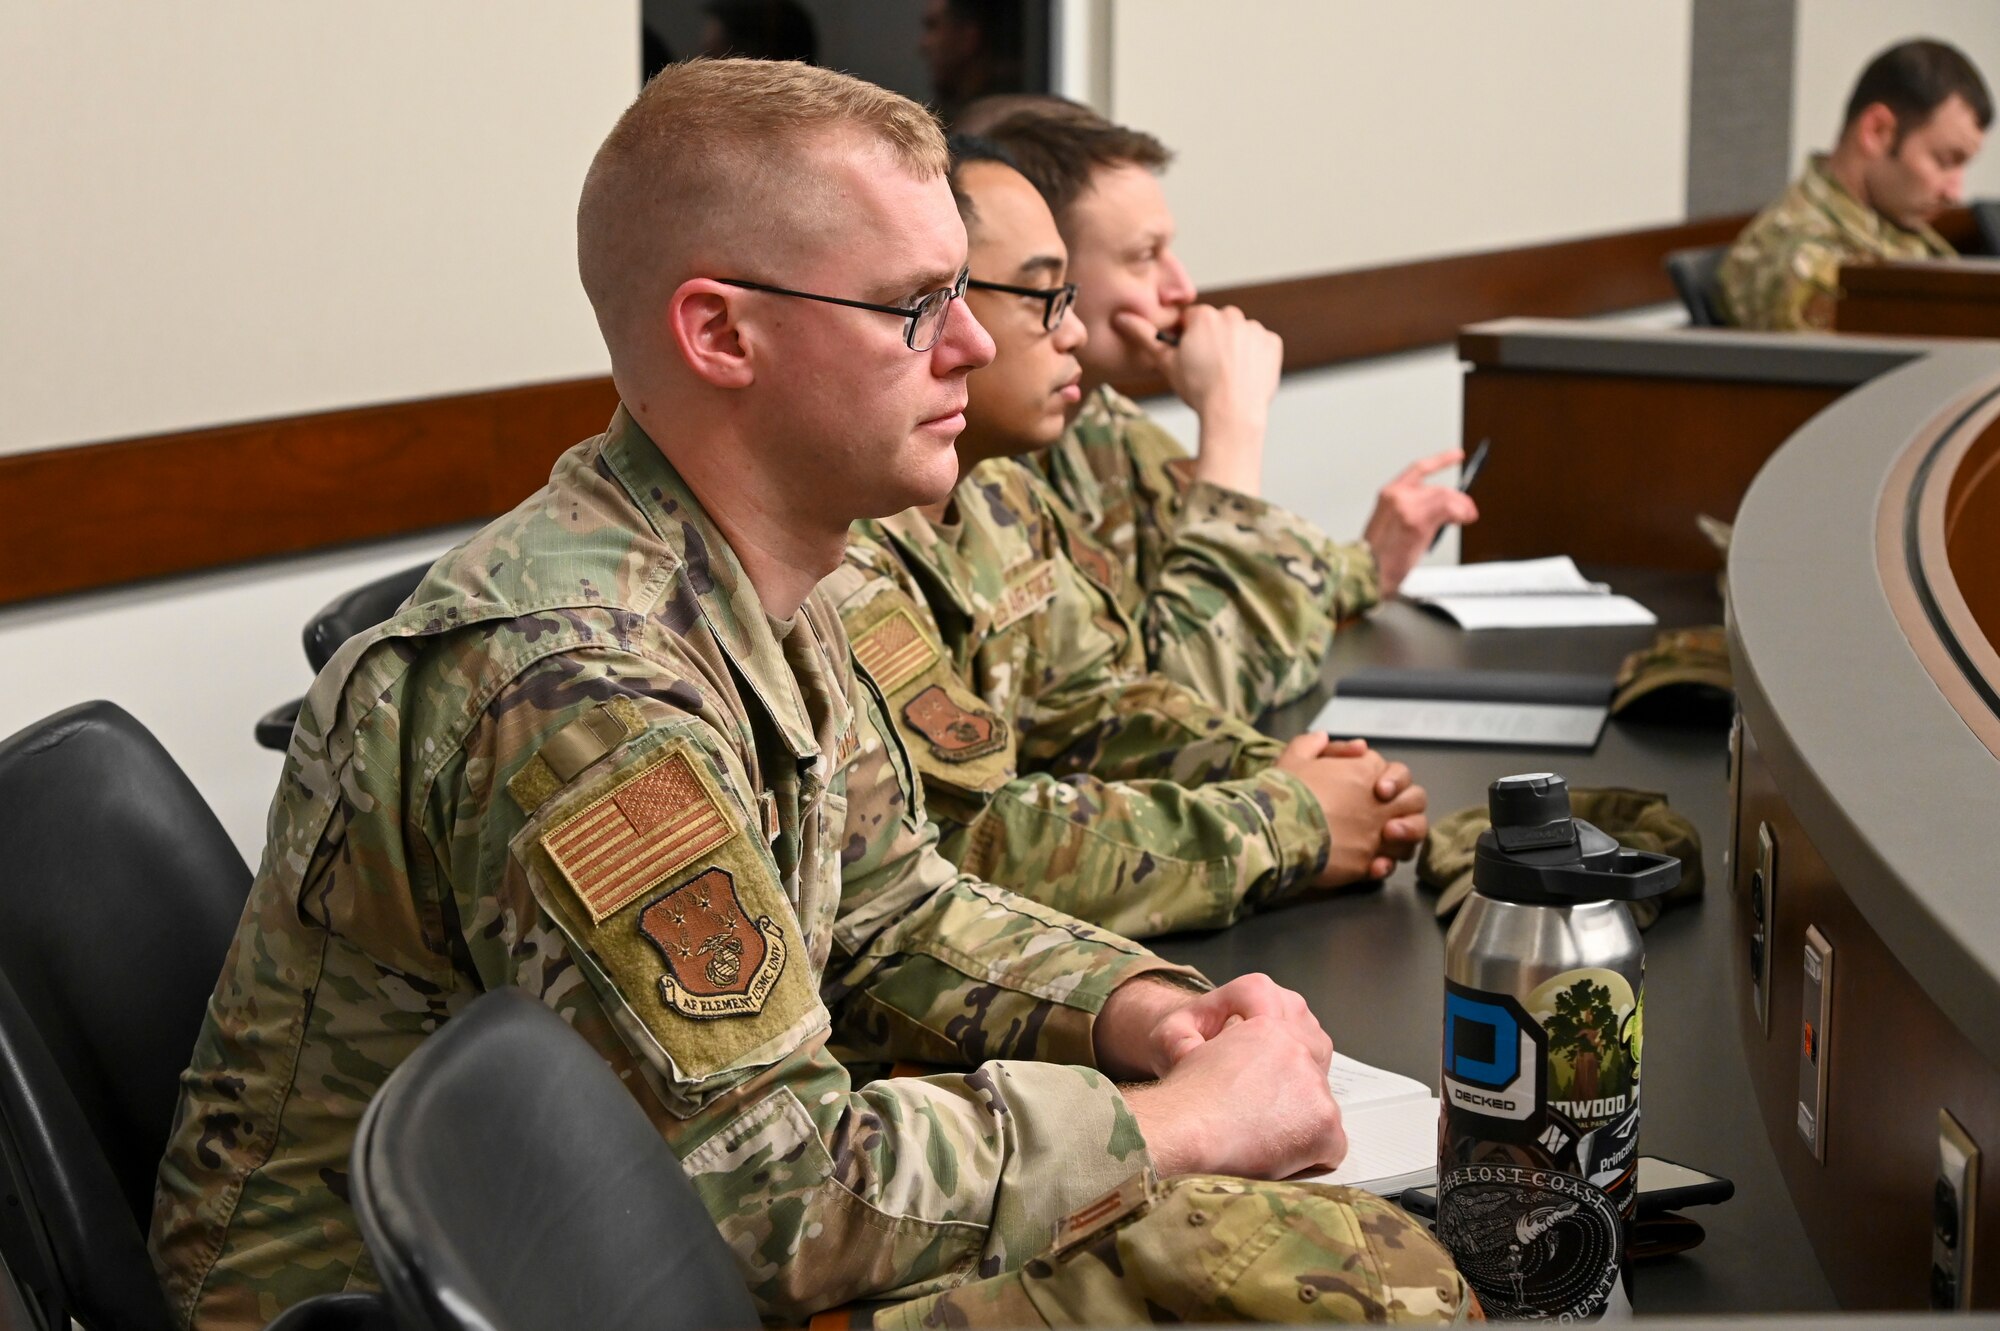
(1025, 595)
(656, 874)
(573, 748)
(895, 649)
(660, 816)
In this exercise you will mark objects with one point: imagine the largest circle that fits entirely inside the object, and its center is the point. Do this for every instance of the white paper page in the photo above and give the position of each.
(1556, 574)
(1448, 721)
(1387, 1142)
(1356, 1084)
(1543, 612)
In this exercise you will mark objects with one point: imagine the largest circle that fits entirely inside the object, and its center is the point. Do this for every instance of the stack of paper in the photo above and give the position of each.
(1521, 594)
(1392, 1129)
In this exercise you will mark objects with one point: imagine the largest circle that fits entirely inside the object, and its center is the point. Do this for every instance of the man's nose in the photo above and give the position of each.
(1176, 287)
(1070, 333)
(966, 345)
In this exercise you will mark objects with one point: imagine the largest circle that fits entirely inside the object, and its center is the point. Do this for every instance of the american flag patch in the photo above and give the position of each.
(895, 651)
(636, 833)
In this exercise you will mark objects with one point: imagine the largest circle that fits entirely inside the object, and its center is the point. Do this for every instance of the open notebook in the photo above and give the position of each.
(1392, 1127)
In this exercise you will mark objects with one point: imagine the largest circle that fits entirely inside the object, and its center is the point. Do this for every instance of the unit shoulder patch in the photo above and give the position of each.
(659, 817)
(720, 962)
(1095, 561)
(658, 875)
(955, 730)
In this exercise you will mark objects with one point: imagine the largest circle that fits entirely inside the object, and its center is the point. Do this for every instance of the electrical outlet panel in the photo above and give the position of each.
(1763, 916)
(1815, 1040)
(1954, 1204)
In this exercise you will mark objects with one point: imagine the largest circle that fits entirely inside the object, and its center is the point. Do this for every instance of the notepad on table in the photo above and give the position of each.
(1523, 709)
(1521, 594)
(1392, 1124)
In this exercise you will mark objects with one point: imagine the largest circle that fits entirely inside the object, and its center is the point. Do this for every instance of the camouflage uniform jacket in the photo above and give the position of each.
(1783, 272)
(1052, 760)
(583, 762)
(1236, 597)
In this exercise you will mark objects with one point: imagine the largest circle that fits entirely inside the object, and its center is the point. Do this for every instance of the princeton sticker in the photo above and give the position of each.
(955, 732)
(660, 819)
(720, 962)
(1025, 595)
(896, 650)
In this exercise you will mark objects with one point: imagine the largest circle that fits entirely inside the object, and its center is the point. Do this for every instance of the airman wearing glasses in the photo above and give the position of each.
(616, 753)
(1236, 596)
(1053, 761)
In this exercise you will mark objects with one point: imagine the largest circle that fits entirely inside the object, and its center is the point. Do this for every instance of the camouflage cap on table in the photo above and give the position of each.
(1693, 662)
(1639, 819)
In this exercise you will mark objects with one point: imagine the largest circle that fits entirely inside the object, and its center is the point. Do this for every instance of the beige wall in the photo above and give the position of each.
(1325, 134)
(1836, 38)
(220, 210)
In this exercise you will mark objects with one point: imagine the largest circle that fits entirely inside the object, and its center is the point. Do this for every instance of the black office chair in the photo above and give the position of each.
(505, 1179)
(338, 620)
(1694, 272)
(120, 897)
(1986, 217)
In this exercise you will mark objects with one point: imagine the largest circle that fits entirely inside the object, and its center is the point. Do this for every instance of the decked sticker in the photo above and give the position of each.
(1493, 1056)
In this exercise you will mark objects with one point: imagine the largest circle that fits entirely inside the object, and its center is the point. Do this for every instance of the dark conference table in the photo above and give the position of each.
(1371, 963)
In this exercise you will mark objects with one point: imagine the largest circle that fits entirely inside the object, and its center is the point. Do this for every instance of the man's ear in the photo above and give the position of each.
(1875, 129)
(702, 321)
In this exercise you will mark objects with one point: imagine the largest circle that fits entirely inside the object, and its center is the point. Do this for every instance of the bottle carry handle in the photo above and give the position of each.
(1634, 875)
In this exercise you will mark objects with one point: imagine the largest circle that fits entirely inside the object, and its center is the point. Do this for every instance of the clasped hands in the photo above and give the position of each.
(1238, 1077)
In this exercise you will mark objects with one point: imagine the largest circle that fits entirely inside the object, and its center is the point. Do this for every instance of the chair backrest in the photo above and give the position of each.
(121, 895)
(1693, 272)
(353, 611)
(505, 1179)
(1986, 218)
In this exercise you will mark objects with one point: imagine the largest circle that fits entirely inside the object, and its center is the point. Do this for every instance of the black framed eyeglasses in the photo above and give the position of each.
(1055, 300)
(926, 317)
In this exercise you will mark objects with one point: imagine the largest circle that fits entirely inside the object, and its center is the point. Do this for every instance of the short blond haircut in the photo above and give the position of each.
(711, 168)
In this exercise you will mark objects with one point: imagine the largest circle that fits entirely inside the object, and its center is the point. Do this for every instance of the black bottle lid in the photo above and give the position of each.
(1536, 853)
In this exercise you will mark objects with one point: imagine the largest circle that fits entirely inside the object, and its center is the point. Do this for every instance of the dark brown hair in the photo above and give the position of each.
(1058, 144)
(1914, 79)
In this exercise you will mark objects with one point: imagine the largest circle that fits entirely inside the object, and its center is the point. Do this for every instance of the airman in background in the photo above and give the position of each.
(1915, 121)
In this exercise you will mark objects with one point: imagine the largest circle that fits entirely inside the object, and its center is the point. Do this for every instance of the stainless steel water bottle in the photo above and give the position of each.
(1544, 1011)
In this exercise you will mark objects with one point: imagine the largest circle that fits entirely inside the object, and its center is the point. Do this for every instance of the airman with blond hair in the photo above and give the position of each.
(615, 753)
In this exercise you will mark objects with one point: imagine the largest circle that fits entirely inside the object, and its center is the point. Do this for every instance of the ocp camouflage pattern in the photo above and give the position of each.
(1077, 776)
(1783, 272)
(1234, 596)
(1208, 1249)
(601, 633)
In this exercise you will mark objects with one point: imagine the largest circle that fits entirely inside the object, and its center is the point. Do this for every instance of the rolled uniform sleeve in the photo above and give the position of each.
(1234, 596)
(645, 898)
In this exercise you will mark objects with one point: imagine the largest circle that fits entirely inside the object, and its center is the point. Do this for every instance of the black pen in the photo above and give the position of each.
(1466, 476)
(1170, 336)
